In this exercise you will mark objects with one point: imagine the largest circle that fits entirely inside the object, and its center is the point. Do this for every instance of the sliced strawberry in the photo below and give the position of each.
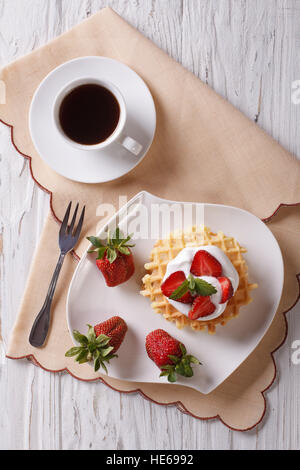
(171, 284)
(205, 264)
(227, 289)
(202, 306)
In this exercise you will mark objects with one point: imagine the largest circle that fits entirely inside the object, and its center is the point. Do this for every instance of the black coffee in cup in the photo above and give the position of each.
(89, 114)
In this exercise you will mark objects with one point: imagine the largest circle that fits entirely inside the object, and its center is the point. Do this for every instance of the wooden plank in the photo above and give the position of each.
(247, 51)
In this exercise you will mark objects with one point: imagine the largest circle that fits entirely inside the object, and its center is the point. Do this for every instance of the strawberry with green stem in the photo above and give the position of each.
(100, 344)
(115, 259)
(169, 355)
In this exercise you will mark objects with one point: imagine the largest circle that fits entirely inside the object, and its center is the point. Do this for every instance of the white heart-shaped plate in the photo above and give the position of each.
(91, 301)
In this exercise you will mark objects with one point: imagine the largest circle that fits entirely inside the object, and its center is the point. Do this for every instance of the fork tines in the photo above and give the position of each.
(71, 230)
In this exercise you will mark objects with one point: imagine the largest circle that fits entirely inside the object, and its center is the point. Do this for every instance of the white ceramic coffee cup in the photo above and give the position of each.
(118, 135)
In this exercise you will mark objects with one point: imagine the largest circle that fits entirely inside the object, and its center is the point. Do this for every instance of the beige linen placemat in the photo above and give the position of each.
(204, 150)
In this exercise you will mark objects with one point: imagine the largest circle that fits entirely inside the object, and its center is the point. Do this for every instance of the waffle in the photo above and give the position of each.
(167, 249)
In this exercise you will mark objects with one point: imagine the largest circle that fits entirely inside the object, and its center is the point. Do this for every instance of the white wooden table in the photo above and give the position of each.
(247, 50)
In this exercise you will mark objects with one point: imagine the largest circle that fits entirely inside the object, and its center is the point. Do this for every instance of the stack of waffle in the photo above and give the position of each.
(167, 249)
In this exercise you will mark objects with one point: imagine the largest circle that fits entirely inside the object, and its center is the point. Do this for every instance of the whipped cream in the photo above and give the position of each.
(183, 262)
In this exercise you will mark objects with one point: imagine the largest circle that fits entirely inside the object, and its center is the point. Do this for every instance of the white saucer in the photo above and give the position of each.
(92, 166)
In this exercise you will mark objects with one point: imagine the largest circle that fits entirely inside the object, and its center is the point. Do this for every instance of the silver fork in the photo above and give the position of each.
(68, 237)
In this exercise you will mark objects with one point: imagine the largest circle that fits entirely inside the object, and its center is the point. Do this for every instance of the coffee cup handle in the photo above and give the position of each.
(131, 145)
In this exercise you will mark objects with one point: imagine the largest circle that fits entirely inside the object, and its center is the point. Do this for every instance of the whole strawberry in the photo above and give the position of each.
(169, 355)
(115, 328)
(100, 344)
(115, 259)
